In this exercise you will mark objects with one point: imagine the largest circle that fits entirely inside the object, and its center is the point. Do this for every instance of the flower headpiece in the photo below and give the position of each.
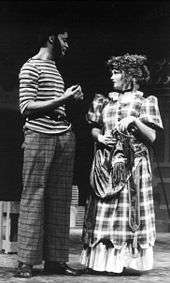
(132, 65)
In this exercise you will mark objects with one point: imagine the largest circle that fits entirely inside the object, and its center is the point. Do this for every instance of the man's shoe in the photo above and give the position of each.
(24, 270)
(60, 268)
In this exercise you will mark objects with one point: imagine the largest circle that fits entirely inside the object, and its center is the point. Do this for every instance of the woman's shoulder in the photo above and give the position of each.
(151, 99)
(100, 98)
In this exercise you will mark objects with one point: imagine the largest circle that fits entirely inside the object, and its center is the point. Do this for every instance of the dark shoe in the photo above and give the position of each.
(24, 270)
(60, 268)
(87, 271)
(90, 271)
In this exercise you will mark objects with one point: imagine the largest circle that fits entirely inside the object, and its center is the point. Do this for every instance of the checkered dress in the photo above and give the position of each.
(110, 219)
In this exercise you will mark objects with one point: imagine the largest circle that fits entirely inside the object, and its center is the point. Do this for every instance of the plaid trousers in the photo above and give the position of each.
(44, 221)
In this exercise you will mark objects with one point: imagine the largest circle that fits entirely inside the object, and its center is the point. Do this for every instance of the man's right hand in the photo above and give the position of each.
(45, 107)
(74, 92)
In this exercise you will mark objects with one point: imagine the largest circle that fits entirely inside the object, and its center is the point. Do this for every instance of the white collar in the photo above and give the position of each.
(114, 96)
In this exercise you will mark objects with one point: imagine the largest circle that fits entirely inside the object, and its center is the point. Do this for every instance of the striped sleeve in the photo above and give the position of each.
(150, 113)
(28, 85)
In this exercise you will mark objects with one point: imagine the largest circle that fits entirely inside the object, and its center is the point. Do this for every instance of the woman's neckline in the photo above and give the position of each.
(114, 95)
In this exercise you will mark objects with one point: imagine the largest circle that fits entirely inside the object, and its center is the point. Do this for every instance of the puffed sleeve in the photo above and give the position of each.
(93, 116)
(150, 113)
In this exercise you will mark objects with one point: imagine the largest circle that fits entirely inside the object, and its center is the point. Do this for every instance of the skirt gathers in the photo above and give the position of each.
(109, 259)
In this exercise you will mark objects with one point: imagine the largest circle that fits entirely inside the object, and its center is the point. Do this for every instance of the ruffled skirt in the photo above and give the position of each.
(109, 259)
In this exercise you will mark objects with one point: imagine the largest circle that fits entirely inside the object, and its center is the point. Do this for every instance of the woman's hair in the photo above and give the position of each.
(133, 65)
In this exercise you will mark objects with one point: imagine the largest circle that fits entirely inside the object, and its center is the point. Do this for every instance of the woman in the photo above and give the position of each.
(119, 224)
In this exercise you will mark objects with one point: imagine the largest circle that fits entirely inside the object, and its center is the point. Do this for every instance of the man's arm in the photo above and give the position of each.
(44, 107)
(28, 87)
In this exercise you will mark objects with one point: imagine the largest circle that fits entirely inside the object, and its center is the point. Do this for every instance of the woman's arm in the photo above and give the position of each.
(99, 137)
(144, 131)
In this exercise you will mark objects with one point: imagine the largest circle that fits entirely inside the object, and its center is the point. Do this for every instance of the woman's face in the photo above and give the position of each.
(118, 79)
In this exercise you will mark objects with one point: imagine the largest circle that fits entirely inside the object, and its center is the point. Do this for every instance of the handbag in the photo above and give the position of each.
(111, 167)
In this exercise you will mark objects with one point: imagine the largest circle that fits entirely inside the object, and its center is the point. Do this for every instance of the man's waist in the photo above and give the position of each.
(43, 126)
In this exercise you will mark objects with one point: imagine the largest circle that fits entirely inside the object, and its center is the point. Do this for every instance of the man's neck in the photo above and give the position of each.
(44, 54)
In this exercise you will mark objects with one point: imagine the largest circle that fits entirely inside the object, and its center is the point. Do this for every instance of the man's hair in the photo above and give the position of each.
(132, 64)
(47, 30)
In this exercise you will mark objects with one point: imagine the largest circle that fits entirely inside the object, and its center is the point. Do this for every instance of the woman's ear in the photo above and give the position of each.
(128, 81)
(135, 84)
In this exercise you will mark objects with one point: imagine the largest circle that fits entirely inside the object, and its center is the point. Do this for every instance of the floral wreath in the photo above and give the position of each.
(132, 65)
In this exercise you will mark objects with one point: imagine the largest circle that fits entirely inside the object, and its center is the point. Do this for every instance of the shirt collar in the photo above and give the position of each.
(114, 96)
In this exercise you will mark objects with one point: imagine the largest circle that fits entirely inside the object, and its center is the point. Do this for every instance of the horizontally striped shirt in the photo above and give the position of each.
(39, 80)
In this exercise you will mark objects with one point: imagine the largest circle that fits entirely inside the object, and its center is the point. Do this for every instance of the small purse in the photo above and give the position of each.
(110, 168)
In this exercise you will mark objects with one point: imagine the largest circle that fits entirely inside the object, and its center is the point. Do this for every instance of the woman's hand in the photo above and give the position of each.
(125, 122)
(106, 139)
(146, 132)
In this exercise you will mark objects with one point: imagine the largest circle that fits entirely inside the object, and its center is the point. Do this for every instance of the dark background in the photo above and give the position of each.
(97, 30)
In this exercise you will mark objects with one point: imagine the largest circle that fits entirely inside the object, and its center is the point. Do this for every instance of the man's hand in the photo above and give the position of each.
(79, 94)
(74, 92)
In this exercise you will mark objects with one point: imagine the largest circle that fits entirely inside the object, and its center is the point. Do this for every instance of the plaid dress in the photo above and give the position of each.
(110, 220)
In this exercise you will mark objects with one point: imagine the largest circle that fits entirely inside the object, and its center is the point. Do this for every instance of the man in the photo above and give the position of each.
(43, 228)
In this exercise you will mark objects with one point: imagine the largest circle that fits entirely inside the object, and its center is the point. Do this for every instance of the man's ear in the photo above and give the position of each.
(51, 39)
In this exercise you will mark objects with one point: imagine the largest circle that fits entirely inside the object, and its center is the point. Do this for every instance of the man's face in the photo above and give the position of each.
(63, 41)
